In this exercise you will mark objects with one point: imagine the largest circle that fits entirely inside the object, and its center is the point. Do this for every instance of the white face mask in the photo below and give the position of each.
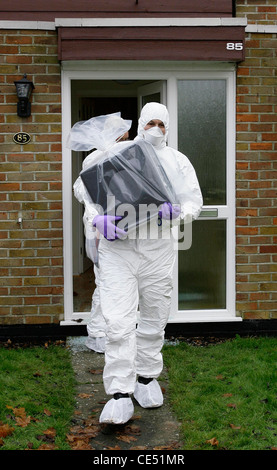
(154, 135)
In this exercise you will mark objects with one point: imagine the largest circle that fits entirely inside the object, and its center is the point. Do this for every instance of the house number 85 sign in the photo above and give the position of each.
(234, 46)
(21, 138)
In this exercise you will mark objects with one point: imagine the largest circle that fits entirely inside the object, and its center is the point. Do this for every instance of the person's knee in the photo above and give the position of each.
(119, 331)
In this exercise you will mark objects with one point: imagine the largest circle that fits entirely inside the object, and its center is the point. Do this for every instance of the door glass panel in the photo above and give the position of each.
(202, 268)
(202, 134)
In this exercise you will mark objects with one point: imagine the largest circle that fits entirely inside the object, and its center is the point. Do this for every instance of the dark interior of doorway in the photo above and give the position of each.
(84, 283)
(91, 107)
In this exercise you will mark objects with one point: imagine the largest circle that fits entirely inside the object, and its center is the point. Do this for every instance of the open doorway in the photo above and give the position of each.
(196, 97)
(89, 99)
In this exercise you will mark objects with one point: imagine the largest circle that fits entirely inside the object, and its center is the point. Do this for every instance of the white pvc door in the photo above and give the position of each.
(203, 275)
(205, 281)
(152, 92)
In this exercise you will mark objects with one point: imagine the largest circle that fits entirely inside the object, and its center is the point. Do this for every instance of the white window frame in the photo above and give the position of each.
(170, 72)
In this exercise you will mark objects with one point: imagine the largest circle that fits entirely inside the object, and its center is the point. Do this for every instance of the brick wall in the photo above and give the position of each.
(31, 283)
(257, 167)
(257, 11)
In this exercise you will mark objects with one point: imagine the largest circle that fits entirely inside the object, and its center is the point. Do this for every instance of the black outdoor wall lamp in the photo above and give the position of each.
(24, 90)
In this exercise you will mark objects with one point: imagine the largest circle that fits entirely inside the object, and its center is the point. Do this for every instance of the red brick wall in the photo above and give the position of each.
(257, 167)
(257, 11)
(31, 283)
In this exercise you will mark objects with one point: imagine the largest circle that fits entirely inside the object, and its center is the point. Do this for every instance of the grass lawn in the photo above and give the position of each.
(37, 397)
(225, 394)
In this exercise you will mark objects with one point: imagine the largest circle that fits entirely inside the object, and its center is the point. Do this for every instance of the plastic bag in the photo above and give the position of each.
(99, 132)
(129, 179)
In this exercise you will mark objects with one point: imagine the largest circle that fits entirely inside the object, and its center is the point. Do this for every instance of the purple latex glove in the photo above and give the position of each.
(105, 225)
(169, 212)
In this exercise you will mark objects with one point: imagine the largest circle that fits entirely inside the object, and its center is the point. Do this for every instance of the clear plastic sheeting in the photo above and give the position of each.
(130, 178)
(99, 132)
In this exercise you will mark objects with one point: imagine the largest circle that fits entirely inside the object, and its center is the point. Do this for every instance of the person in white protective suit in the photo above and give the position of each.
(119, 131)
(140, 271)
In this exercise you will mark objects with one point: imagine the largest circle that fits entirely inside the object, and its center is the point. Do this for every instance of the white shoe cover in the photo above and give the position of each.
(117, 411)
(96, 344)
(150, 395)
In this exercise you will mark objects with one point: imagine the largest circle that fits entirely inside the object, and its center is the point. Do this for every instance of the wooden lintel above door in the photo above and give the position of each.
(178, 43)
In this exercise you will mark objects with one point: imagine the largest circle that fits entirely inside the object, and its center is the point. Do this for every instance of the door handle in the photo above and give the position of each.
(209, 213)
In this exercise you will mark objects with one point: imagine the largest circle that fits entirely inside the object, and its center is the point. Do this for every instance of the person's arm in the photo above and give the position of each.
(91, 211)
(188, 189)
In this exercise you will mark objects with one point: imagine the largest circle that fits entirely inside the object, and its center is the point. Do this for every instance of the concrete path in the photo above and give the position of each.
(149, 429)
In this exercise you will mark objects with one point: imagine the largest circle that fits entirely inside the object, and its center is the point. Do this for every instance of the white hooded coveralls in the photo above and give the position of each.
(101, 132)
(140, 272)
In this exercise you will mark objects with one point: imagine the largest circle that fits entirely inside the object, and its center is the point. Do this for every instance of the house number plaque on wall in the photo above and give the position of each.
(21, 138)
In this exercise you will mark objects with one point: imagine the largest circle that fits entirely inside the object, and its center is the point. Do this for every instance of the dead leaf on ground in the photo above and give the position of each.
(50, 432)
(126, 438)
(21, 418)
(91, 431)
(220, 377)
(23, 421)
(133, 429)
(47, 412)
(234, 427)
(134, 417)
(17, 411)
(85, 395)
(79, 432)
(96, 371)
(47, 447)
(129, 429)
(213, 441)
(79, 442)
(5, 430)
(48, 436)
(227, 395)
(82, 444)
(231, 405)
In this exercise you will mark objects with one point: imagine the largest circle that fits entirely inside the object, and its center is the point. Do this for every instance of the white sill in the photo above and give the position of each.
(182, 316)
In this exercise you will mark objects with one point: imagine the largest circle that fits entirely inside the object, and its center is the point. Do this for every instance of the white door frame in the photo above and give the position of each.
(170, 72)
